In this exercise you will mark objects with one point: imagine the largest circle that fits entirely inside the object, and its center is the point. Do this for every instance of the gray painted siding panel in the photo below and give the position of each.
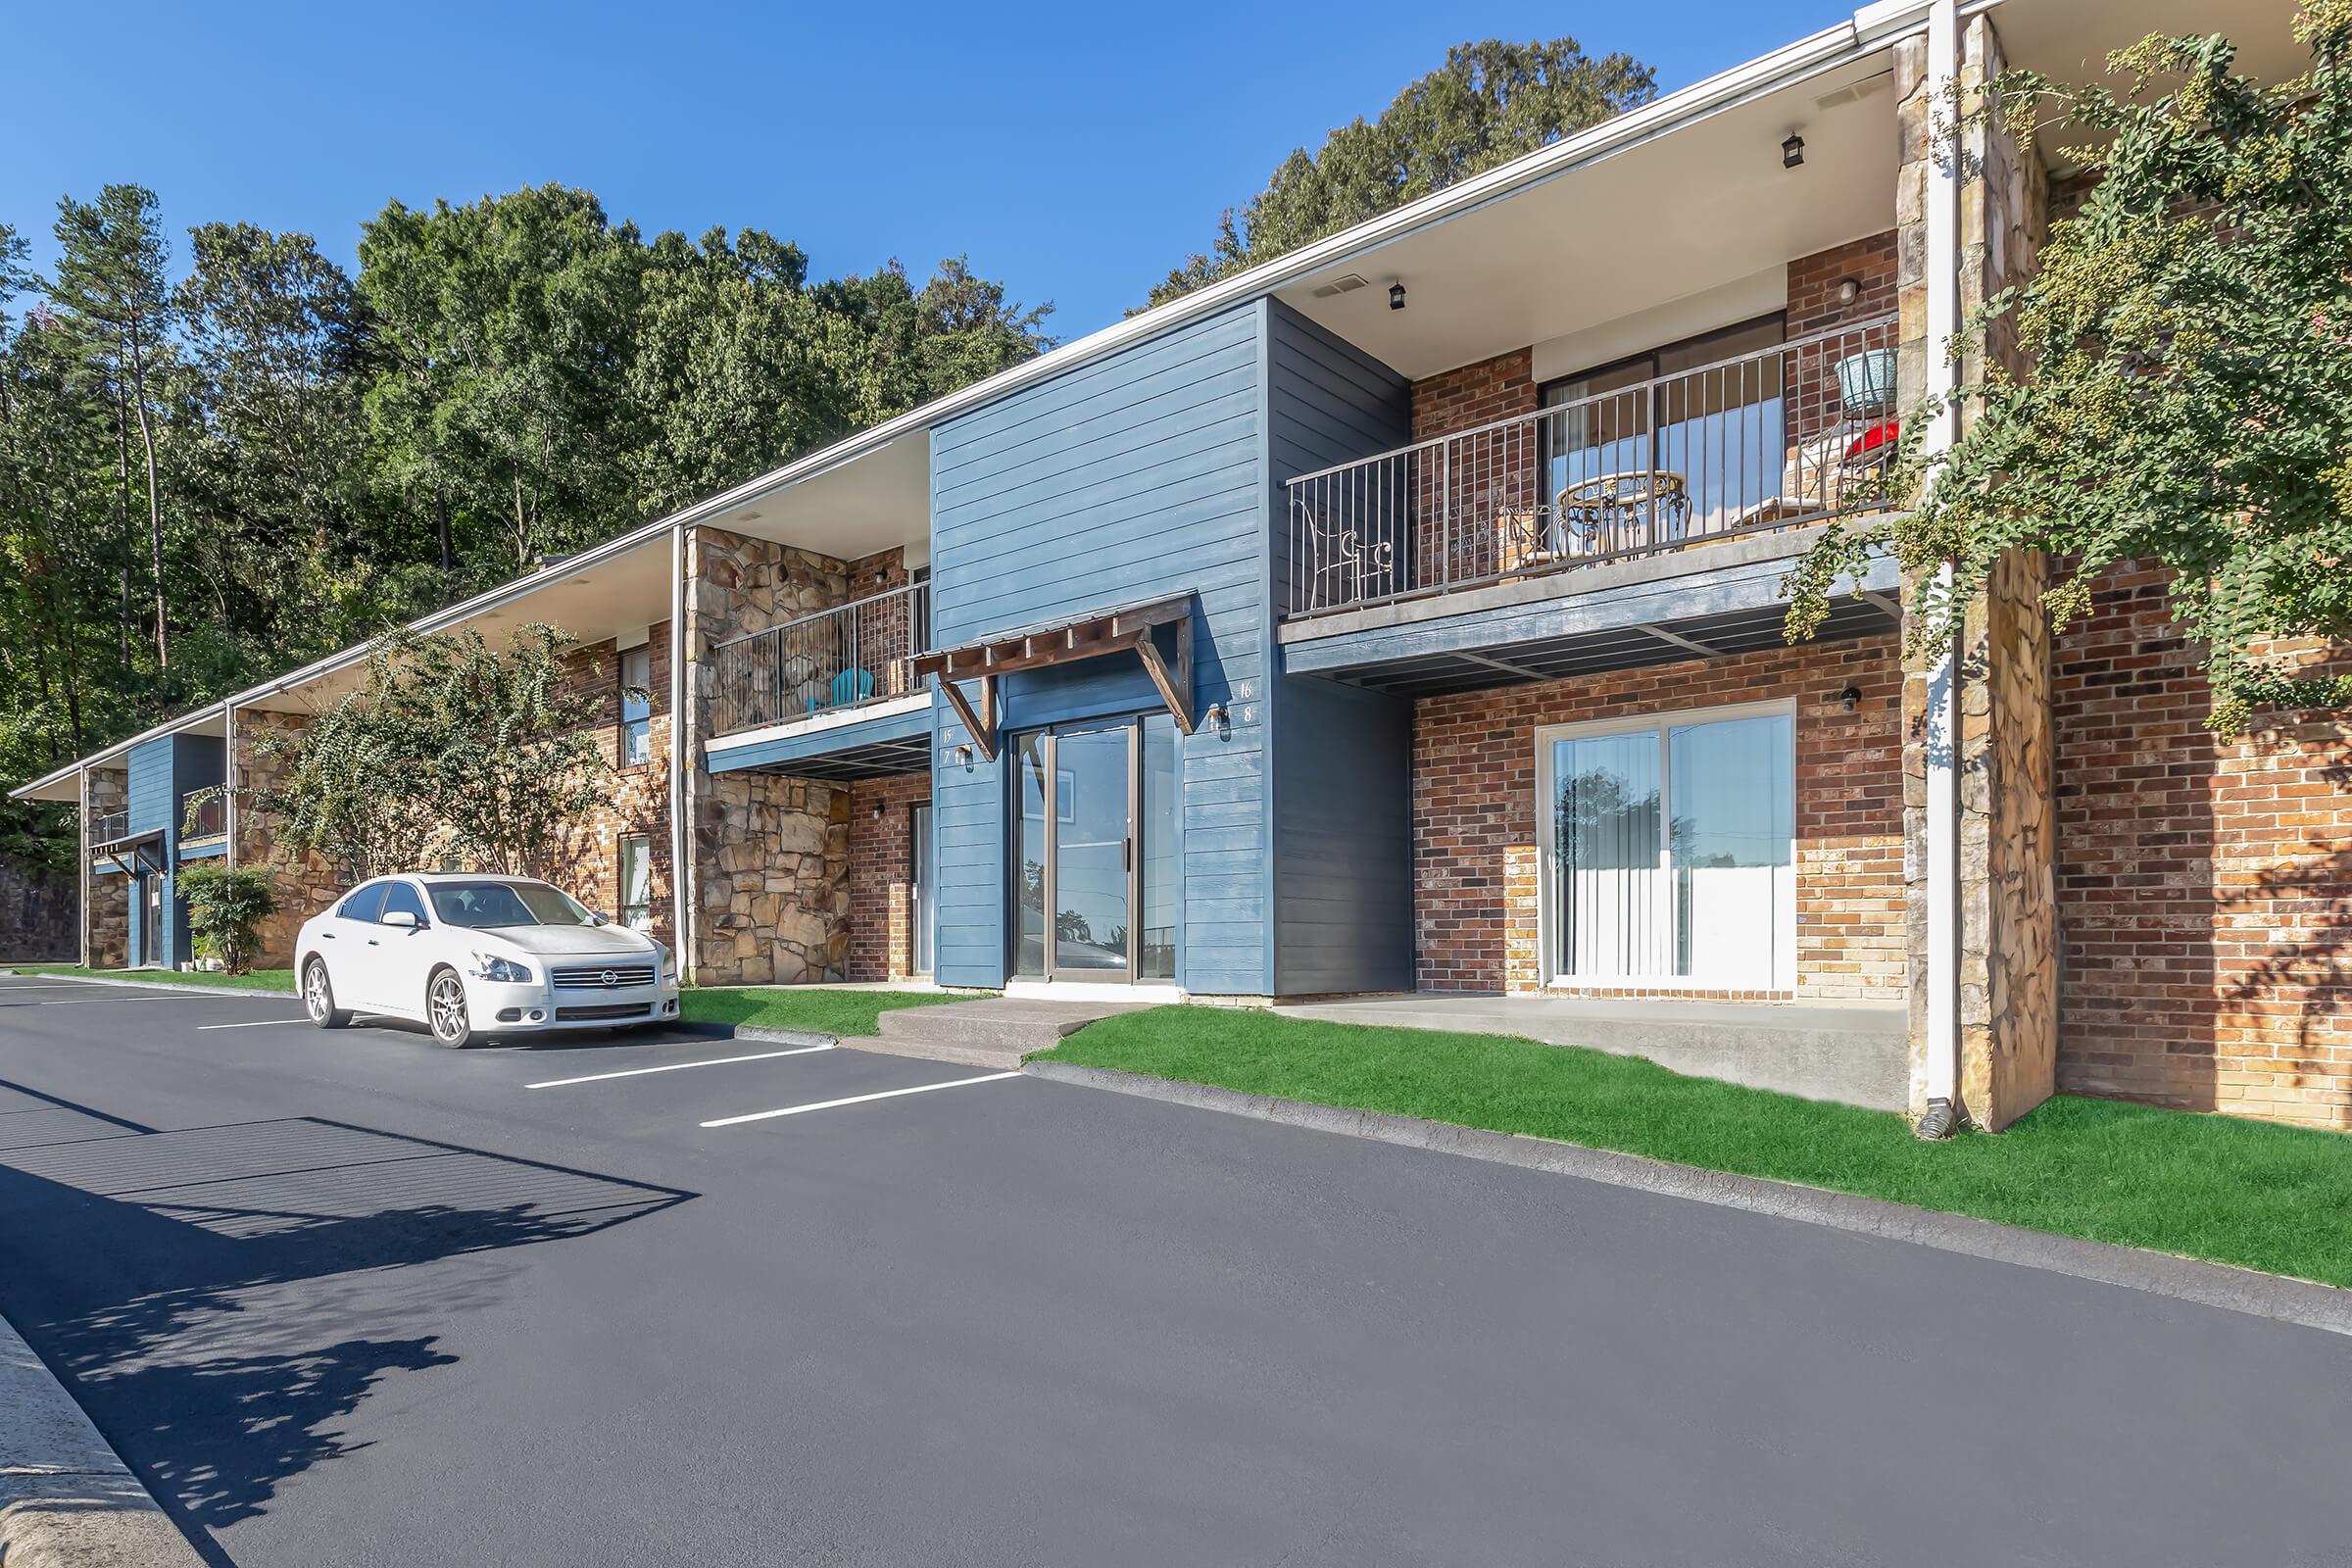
(1136, 477)
(1343, 785)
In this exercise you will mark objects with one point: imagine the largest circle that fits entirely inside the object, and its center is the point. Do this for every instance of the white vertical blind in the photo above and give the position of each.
(1673, 854)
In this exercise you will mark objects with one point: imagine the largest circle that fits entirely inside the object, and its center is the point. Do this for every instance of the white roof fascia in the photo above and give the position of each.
(1869, 29)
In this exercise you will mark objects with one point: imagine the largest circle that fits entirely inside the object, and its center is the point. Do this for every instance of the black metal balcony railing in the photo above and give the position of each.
(1789, 434)
(204, 814)
(835, 659)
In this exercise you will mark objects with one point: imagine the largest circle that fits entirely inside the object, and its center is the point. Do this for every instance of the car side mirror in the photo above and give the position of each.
(599, 917)
(402, 917)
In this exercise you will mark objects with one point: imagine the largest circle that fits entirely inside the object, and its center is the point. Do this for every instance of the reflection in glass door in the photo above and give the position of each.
(925, 867)
(1094, 844)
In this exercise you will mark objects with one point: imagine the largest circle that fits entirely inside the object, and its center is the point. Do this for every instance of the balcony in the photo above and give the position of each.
(1763, 441)
(203, 815)
(109, 827)
(833, 661)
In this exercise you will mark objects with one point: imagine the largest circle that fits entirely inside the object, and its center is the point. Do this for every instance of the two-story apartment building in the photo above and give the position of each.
(1404, 618)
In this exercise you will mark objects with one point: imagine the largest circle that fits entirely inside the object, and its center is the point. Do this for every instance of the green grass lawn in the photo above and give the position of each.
(2264, 1196)
(255, 980)
(814, 1008)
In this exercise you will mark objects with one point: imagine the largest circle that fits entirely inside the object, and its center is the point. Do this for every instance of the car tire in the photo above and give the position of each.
(444, 1009)
(318, 996)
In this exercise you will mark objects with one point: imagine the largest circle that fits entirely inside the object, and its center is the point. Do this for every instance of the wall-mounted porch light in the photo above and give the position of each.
(1850, 289)
(1396, 296)
(1850, 698)
(1792, 151)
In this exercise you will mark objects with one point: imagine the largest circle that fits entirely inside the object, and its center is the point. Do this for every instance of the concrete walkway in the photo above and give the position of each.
(991, 1032)
(1850, 1054)
(65, 1497)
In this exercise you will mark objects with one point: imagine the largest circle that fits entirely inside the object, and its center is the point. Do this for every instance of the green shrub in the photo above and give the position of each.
(226, 906)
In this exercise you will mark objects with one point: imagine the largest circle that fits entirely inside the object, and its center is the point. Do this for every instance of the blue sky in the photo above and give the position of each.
(1077, 151)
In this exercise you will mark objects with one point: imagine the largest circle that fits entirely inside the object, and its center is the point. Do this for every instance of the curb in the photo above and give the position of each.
(179, 987)
(749, 1031)
(65, 1497)
(2303, 1303)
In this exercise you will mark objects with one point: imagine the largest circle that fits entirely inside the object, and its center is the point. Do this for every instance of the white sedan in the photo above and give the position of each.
(475, 956)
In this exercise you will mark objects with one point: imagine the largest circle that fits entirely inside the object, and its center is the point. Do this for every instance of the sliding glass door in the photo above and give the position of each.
(1095, 871)
(1670, 851)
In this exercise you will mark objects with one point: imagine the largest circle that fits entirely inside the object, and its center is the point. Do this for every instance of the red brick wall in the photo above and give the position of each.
(636, 800)
(1809, 395)
(1813, 282)
(1472, 395)
(1474, 811)
(881, 872)
(2205, 887)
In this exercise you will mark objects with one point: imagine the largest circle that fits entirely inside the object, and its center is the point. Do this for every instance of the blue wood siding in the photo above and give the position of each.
(1326, 403)
(1141, 475)
(1343, 840)
(1343, 849)
(159, 772)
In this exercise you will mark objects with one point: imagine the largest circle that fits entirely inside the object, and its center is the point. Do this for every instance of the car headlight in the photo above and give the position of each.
(490, 966)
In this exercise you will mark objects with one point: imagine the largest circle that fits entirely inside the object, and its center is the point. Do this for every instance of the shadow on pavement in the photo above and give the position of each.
(222, 1298)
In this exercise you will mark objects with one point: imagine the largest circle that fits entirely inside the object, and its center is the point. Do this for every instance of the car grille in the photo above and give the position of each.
(591, 977)
(626, 1010)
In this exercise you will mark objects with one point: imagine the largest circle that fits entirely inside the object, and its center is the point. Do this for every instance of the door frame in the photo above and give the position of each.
(1050, 937)
(922, 894)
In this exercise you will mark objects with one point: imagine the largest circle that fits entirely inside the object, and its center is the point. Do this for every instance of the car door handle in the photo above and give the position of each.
(371, 942)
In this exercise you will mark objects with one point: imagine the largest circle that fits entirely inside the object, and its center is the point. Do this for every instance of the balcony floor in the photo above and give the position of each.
(1721, 599)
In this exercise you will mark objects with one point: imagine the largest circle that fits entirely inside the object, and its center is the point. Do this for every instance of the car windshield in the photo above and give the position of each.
(487, 904)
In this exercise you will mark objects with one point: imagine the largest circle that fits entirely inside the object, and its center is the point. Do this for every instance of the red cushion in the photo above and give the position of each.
(1878, 435)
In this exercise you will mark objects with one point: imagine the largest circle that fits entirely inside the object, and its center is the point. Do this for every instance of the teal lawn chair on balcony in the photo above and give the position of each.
(850, 687)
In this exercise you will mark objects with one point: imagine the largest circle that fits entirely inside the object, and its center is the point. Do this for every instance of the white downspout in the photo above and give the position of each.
(82, 784)
(681, 896)
(1943, 736)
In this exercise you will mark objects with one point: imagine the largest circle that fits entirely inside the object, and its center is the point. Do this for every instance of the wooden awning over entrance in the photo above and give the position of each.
(1107, 631)
(132, 852)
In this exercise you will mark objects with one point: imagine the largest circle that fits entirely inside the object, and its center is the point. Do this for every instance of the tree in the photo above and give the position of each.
(1490, 103)
(449, 751)
(507, 329)
(2190, 333)
(278, 344)
(112, 289)
(226, 906)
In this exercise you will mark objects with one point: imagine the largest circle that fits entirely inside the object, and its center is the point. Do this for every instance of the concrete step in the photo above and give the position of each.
(994, 1032)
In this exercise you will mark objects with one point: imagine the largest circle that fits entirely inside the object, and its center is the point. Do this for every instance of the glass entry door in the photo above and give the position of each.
(925, 863)
(1092, 847)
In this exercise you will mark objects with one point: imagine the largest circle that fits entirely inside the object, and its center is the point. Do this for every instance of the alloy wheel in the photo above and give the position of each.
(447, 1004)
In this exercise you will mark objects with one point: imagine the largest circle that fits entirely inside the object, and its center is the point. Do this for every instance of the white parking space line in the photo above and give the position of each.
(191, 995)
(254, 1023)
(676, 1066)
(859, 1099)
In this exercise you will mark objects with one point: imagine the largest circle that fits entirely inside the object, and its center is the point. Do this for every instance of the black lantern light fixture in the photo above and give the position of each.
(1792, 151)
(1396, 296)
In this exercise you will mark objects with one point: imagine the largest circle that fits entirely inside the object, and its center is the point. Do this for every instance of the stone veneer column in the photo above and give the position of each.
(106, 913)
(772, 855)
(2007, 829)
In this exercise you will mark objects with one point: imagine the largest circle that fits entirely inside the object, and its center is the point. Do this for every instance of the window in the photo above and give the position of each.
(1720, 429)
(1668, 851)
(401, 895)
(487, 905)
(365, 905)
(637, 706)
(637, 881)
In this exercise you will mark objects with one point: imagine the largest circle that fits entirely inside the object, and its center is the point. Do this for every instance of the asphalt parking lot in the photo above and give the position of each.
(349, 1298)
